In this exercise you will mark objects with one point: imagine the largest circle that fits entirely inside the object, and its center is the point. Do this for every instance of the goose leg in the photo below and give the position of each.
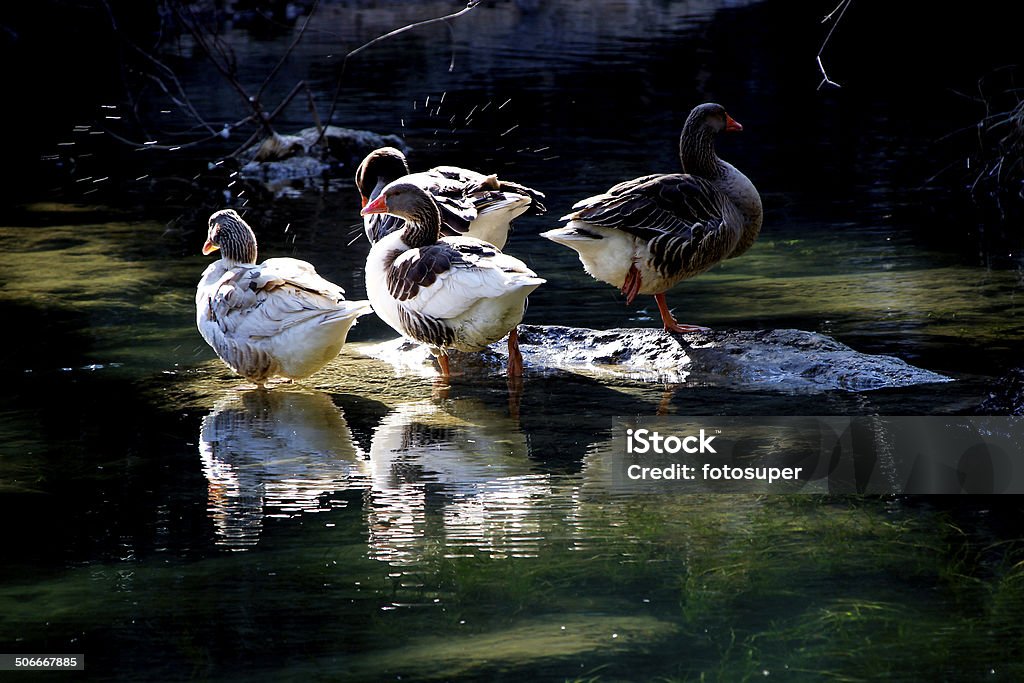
(515, 396)
(515, 359)
(670, 322)
(631, 287)
(442, 360)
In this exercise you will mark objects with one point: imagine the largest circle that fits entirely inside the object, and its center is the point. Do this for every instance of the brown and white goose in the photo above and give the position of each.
(646, 235)
(471, 203)
(449, 293)
(278, 318)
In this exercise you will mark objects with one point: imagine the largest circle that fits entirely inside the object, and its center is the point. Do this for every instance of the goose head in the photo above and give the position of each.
(380, 167)
(712, 117)
(413, 204)
(232, 236)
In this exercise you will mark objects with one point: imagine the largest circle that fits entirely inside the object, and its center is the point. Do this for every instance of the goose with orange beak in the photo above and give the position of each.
(646, 235)
(446, 292)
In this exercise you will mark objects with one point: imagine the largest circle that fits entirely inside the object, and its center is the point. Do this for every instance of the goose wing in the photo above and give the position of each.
(448, 278)
(654, 205)
(685, 220)
(261, 301)
(487, 189)
(462, 196)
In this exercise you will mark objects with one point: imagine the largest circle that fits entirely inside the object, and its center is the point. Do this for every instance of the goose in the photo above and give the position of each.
(278, 318)
(448, 293)
(646, 235)
(471, 203)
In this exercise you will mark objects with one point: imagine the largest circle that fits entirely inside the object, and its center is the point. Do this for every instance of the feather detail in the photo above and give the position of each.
(470, 203)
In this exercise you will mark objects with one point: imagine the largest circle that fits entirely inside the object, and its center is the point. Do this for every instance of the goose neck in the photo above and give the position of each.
(238, 247)
(422, 225)
(697, 152)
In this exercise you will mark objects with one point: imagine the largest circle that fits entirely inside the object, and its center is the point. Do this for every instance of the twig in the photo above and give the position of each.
(181, 100)
(225, 62)
(228, 68)
(288, 52)
(841, 8)
(391, 34)
(142, 146)
(298, 88)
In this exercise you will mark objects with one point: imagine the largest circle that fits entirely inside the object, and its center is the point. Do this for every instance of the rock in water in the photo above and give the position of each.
(799, 361)
(280, 158)
(791, 361)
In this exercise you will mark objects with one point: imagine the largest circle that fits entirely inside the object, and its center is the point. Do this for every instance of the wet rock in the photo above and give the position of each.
(799, 360)
(281, 158)
(792, 361)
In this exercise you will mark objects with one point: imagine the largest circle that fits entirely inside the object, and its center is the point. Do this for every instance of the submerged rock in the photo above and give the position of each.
(521, 644)
(782, 360)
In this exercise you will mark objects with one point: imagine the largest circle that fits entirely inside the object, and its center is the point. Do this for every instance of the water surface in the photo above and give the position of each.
(370, 524)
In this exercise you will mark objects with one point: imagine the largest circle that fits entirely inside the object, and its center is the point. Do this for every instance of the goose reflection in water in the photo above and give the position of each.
(458, 474)
(274, 453)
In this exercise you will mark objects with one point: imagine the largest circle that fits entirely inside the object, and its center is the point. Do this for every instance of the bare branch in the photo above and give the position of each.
(828, 16)
(288, 52)
(224, 60)
(147, 146)
(426, 22)
(226, 64)
(391, 34)
(841, 8)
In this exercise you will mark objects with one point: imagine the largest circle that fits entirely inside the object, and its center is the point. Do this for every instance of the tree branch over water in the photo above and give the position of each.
(841, 9)
(472, 4)
(220, 54)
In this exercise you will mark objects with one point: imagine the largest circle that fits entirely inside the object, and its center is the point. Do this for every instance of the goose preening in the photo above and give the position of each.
(449, 293)
(278, 318)
(647, 234)
(471, 203)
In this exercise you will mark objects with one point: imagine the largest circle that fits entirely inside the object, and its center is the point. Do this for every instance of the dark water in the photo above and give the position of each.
(371, 525)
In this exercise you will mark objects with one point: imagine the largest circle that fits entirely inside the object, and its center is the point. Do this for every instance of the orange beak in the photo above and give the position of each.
(364, 200)
(732, 124)
(378, 205)
(209, 247)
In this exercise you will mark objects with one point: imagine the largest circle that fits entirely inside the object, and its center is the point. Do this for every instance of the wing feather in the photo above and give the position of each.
(261, 301)
(461, 195)
(683, 218)
(447, 278)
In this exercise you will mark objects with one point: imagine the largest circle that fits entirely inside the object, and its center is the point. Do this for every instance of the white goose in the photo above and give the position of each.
(471, 203)
(646, 235)
(278, 318)
(449, 293)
